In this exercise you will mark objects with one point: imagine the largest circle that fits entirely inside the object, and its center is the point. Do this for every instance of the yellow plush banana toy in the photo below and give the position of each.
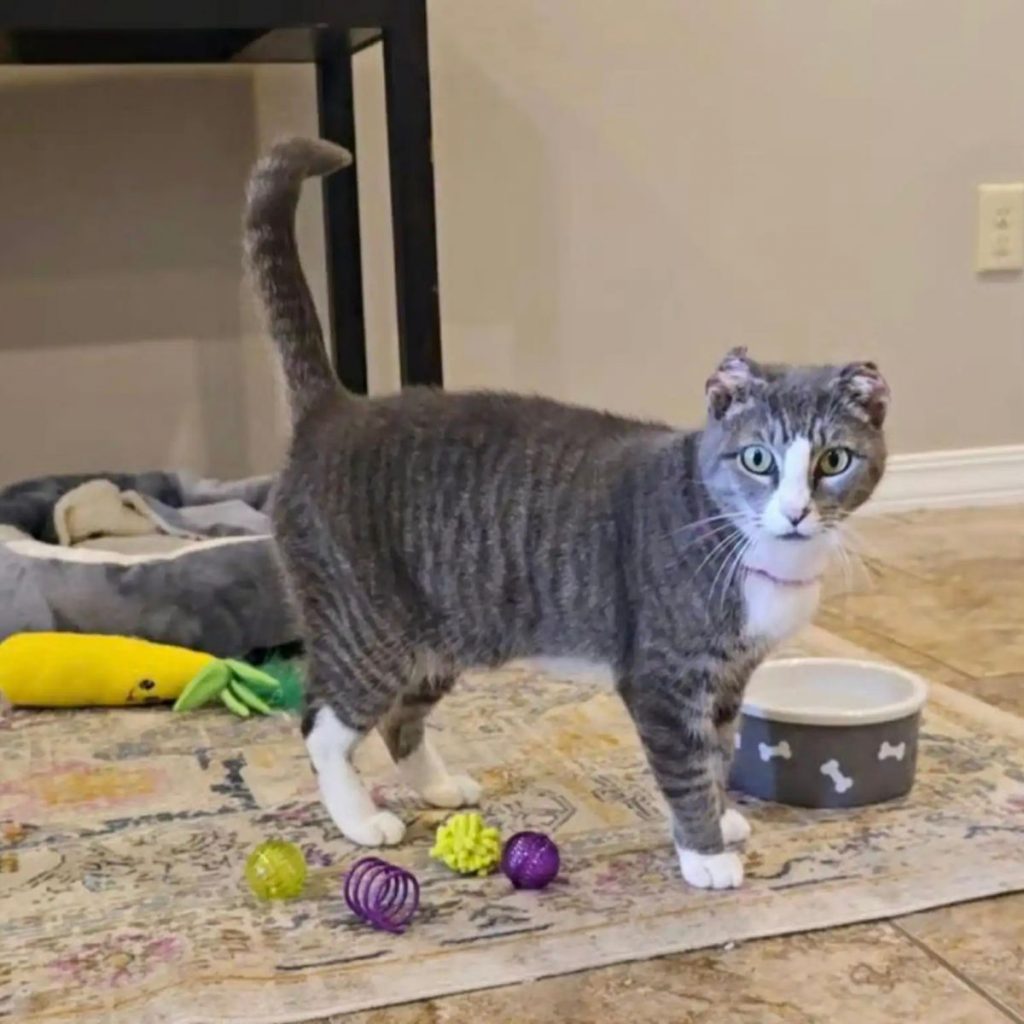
(80, 670)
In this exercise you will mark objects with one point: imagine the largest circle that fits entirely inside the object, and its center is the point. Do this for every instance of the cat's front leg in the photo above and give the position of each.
(675, 724)
(735, 827)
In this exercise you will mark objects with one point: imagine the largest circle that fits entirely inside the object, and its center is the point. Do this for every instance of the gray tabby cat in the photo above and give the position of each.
(425, 533)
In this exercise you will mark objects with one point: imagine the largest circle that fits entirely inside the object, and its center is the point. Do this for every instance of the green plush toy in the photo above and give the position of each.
(243, 689)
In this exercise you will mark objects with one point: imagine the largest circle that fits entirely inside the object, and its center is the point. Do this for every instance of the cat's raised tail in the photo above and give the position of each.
(273, 261)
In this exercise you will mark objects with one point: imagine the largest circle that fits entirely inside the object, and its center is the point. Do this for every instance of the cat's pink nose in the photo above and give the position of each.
(798, 516)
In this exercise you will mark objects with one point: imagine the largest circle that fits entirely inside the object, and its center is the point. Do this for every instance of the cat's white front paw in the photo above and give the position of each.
(735, 828)
(380, 829)
(711, 870)
(452, 791)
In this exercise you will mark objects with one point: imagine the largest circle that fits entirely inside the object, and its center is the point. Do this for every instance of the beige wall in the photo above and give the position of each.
(619, 201)
(623, 198)
(127, 337)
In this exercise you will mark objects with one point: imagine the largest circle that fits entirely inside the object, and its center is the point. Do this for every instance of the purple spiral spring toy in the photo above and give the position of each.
(530, 860)
(382, 894)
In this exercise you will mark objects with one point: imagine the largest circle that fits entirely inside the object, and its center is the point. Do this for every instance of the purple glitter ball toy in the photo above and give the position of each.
(530, 860)
(382, 894)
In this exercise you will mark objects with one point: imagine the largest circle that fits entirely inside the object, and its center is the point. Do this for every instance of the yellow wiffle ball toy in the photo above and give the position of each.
(467, 845)
(276, 870)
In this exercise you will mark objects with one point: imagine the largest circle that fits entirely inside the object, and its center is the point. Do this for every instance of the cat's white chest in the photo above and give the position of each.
(776, 612)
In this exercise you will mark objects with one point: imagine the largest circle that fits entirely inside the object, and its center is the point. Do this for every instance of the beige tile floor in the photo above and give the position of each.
(943, 594)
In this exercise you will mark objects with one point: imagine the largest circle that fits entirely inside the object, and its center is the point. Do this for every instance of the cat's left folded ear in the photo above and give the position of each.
(866, 391)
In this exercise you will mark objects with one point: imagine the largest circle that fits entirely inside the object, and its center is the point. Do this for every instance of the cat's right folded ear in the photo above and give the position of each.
(728, 388)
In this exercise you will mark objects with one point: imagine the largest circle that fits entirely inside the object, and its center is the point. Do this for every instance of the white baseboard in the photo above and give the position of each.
(951, 479)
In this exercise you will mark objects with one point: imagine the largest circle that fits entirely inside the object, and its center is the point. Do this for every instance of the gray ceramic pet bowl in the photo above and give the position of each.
(828, 732)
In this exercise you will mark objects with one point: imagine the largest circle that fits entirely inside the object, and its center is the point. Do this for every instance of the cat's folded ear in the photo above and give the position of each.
(865, 391)
(728, 388)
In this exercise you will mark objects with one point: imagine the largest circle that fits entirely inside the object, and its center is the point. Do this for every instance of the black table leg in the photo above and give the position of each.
(407, 85)
(341, 214)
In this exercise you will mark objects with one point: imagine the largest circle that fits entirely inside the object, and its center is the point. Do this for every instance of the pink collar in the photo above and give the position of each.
(764, 574)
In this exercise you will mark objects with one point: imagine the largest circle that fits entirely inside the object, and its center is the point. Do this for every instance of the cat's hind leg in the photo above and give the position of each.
(420, 766)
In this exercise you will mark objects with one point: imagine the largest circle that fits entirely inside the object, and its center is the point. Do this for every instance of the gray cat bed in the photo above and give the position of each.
(155, 555)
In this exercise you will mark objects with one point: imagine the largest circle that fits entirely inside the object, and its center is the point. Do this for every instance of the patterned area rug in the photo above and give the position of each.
(124, 836)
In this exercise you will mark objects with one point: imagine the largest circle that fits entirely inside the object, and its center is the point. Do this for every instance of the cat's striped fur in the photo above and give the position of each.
(426, 533)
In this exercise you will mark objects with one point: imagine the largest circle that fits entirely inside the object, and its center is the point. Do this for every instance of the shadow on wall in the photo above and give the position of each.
(498, 235)
(120, 275)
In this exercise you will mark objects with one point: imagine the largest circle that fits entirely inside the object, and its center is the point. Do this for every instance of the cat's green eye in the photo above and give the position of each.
(834, 461)
(757, 459)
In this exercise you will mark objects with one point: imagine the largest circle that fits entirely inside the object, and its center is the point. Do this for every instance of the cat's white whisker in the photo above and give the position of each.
(716, 533)
(738, 564)
(720, 522)
(738, 545)
(721, 544)
(852, 560)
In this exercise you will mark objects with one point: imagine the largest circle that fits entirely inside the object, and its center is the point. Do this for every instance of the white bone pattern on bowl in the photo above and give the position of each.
(839, 780)
(778, 750)
(888, 749)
